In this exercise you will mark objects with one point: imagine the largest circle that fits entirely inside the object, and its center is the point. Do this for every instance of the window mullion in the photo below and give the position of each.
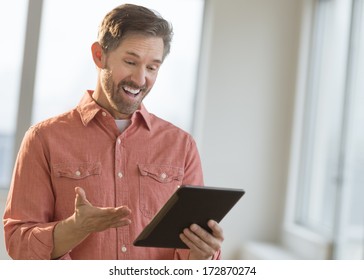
(26, 94)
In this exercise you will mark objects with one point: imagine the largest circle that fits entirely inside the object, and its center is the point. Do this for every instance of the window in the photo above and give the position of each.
(12, 29)
(329, 178)
(349, 235)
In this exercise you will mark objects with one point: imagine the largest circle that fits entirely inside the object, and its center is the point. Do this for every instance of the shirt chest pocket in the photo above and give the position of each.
(76, 170)
(70, 175)
(157, 183)
(67, 176)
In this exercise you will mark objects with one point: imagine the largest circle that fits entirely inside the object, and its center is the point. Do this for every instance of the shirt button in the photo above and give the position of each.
(119, 141)
(78, 173)
(124, 249)
(163, 176)
(120, 175)
(104, 114)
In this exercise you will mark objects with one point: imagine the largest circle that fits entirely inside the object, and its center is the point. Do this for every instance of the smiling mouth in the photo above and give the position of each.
(132, 91)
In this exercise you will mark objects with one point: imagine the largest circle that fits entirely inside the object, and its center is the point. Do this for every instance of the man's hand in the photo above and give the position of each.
(89, 218)
(85, 220)
(202, 244)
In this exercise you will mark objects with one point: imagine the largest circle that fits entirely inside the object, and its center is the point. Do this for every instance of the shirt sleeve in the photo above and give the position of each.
(193, 174)
(28, 216)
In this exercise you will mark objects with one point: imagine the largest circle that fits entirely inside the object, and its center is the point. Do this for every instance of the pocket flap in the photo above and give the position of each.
(77, 170)
(161, 173)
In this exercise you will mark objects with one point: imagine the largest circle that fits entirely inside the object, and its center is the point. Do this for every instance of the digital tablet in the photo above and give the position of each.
(188, 205)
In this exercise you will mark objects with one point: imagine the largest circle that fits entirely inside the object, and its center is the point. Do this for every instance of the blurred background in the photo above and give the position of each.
(272, 91)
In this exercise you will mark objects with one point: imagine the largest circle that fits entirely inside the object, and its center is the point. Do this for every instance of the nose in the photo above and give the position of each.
(138, 76)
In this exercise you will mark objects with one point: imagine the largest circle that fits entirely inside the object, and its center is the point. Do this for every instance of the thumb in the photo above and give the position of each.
(81, 197)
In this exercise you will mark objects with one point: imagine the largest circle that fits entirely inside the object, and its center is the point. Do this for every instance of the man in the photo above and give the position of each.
(87, 182)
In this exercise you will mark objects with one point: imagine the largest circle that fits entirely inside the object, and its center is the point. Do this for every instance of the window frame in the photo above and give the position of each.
(27, 77)
(306, 241)
(296, 238)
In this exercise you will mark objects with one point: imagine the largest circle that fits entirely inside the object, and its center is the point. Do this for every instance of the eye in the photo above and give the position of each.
(152, 68)
(129, 62)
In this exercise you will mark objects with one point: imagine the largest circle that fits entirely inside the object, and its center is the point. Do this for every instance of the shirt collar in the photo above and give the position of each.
(88, 109)
(144, 114)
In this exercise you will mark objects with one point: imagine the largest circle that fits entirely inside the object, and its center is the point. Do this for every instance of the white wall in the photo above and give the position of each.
(245, 114)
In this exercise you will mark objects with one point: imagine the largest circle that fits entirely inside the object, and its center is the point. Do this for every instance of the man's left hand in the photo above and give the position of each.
(203, 245)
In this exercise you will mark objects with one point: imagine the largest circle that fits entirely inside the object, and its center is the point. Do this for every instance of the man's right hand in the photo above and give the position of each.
(88, 218)
(85, 220)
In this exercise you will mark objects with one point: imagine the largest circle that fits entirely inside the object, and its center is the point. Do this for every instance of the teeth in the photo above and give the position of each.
(131, 90)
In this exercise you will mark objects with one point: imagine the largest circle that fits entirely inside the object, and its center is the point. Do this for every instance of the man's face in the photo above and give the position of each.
(129, 74)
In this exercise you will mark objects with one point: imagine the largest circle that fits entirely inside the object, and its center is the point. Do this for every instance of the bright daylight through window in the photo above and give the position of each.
(330, 178)
(12, 49)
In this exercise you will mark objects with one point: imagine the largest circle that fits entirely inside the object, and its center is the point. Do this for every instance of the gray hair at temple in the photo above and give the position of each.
(133, 19)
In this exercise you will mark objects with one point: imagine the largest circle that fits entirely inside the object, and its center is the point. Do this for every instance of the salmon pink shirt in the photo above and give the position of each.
(140, 168)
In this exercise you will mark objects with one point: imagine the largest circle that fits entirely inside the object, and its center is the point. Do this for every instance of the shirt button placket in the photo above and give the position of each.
(121, 197)
(119, 174)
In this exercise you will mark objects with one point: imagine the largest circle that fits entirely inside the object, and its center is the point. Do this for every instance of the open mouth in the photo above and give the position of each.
(132, 91)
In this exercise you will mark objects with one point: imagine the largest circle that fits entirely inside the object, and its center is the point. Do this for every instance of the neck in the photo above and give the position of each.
(100, 98)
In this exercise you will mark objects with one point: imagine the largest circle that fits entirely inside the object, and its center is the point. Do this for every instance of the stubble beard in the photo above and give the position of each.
(115, 95)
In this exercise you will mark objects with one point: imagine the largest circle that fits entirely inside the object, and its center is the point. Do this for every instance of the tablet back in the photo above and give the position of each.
(188, 205)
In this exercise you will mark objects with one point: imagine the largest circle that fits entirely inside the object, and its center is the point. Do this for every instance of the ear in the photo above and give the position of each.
(98, 55)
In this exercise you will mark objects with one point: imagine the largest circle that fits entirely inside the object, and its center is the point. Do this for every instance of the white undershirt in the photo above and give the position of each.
(122, 124)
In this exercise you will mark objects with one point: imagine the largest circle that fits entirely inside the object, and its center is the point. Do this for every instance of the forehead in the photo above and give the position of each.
(143, 47)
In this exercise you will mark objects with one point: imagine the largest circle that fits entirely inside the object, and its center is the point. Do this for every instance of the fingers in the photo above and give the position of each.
(116, 217)
(216, 229)
(80, 191)
(202, 239)
(202, 244)
(81, 197)
(119, 216)
(199, 249)
(90, 218)
(210, 239)
(95, 219)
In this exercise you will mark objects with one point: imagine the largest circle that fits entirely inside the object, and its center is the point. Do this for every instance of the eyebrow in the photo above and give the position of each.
(138, 56)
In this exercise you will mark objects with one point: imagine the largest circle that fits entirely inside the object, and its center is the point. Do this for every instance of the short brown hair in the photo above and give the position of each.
(129, 18)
